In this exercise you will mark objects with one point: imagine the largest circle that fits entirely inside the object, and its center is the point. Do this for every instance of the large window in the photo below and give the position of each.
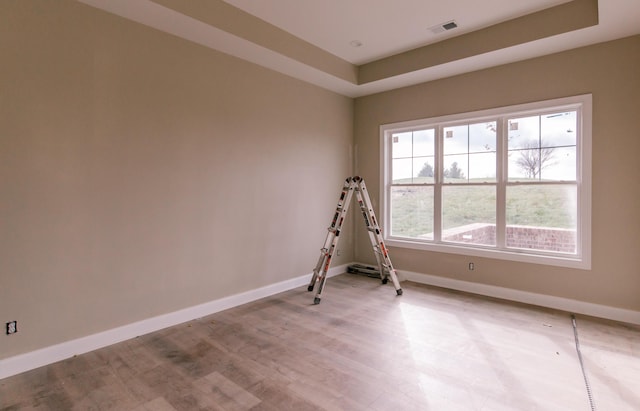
(511, 183)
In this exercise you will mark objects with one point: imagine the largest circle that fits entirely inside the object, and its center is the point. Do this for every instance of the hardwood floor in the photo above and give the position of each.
(362, 348)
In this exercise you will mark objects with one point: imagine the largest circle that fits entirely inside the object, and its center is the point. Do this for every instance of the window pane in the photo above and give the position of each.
(542, 217)
(469, 152)
(561, 166)
(412, 212)
(523, 133)
(402, 171)
(456, 140)
(424, 143)
(401, 145)
(482, 137)
(523, 150)
(482, 167)
(469, 214)
(525, 164)
(543, 147)
(456, 168)
(423, 169)
(558, 129)
(413, 156)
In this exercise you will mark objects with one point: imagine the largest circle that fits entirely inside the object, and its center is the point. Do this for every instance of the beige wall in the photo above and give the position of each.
(610, 72)
(141, 174)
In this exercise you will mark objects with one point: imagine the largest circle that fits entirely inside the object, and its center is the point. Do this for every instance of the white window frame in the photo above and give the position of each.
(581, 260)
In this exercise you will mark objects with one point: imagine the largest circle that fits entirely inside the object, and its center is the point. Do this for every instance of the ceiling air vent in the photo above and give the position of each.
(442, 27)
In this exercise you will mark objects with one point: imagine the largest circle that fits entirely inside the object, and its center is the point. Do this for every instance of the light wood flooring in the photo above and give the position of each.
(362, 348)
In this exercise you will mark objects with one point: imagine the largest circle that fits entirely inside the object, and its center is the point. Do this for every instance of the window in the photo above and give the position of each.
(511, 183)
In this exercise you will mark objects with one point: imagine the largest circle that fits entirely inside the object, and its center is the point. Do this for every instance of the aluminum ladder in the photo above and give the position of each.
(353, 185)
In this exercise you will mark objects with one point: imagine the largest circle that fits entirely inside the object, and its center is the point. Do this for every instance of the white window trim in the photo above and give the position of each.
(581, 260)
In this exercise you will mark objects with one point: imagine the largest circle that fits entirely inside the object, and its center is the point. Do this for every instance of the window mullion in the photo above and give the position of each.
(387, 181)
(437, 188)
(501, 176)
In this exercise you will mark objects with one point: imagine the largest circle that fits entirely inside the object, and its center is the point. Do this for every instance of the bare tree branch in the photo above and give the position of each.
(533, 158)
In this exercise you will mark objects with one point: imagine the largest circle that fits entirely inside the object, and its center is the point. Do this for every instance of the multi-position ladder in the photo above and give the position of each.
(351, 185)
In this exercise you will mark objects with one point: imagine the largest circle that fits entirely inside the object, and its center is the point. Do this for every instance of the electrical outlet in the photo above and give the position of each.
(471, 266)
(338, 252)
(12, 327)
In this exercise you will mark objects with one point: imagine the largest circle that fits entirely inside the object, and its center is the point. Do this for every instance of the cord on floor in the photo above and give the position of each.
(584, 372)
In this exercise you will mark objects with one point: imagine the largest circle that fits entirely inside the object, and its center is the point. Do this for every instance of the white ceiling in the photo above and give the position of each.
(384, 27)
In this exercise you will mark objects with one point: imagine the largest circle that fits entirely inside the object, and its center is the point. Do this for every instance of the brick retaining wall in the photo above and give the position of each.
(527, 237)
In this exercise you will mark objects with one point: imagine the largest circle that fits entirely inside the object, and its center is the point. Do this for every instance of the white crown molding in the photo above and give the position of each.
(617, 19)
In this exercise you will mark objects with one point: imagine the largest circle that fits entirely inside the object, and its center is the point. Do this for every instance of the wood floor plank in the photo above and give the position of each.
(225, 392)
(157, 404)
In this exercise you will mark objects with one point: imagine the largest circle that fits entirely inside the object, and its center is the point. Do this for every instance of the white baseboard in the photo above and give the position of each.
(559, 303)
(48, 355)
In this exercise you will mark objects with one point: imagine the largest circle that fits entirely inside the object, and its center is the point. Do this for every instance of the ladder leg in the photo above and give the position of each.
(331, 242)
(322, 278)
(316, 270)
(396, 283)
(375, 235)
(392, 271)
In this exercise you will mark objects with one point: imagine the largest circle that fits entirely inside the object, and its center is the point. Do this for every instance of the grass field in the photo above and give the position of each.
(539, 206)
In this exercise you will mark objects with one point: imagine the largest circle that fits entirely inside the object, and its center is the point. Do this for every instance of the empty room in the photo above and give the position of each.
(319, 205)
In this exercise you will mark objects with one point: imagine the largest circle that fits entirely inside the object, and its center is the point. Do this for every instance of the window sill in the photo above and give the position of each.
(523, 256)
